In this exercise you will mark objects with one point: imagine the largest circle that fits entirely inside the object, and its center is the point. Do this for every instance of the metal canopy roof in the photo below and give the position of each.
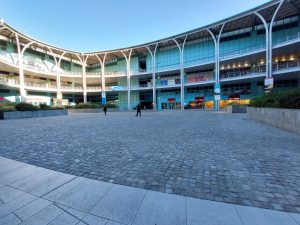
(242, 20)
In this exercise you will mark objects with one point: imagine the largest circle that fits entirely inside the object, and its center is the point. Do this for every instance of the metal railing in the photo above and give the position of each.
(288, 38)
(285, 65)
(75, 88)
(94, 88)
(37, 85)
(9, 81)
(239, 52)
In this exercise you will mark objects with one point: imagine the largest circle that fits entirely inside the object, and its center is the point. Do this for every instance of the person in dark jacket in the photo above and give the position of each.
(105, 109)
(138, 110)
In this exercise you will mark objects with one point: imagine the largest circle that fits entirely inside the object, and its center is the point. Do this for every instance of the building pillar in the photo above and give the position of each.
(217, 66)
(127, 58)
(181, 55)
(271, 40)
(84, 83)
(153, 60)
(21, 71)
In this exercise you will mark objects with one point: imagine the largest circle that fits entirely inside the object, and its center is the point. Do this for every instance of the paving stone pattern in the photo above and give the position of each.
(207, 155)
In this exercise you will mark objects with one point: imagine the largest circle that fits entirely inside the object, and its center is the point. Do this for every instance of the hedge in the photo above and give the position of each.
(88, 105)
(25, 107)
(288, 99)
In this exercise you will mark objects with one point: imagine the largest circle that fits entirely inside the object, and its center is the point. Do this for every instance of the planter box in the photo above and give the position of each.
(85, 110)
(236, 109)
(286, 119)
(31, 114)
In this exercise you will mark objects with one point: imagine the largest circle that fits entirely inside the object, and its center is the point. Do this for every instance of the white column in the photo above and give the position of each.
(267, 42)
(21, 71)
(153, 61)
(84, 82)
(127, 58)
(102, 64)
(271, 40)
(181, 50)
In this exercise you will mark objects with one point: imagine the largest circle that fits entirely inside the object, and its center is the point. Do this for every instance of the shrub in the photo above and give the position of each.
(44, 106)
(25, 107)
(7, 108)
(88, 105)
(288, 99)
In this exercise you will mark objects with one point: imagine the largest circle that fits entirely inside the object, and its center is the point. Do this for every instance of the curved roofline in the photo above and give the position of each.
(237, 16)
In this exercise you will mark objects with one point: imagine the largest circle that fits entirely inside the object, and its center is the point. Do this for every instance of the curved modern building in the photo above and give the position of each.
(230, 60)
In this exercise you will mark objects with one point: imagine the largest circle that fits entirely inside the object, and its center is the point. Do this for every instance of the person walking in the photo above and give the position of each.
(138, 110)
(105, 109)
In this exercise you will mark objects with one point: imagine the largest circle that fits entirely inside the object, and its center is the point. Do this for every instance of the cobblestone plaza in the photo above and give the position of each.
(208, 155)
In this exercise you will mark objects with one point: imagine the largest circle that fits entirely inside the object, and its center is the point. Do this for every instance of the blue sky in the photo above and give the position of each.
(93, 25)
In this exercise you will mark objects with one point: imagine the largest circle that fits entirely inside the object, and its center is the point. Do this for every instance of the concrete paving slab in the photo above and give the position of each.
(10, 219)
(76, 213)
(296, 217)
(59, 192)
(32, 208)
(258, 216)
(40, 183)
(44, 216)
(113, 223)
(10, 166)
(209, 213)
(51, 184)
(120, 204)
(92, 220)
(16, 204)
(11, 195)
(5, 189)
(162, 209)
(64, 219)
(86, 195)
(19, 174)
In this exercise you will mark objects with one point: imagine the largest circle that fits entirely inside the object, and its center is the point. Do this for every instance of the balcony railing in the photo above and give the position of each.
(94, 74)
(90, 88)
(37, 85)
(115, 73)
(74, 88)
(9, 81)
(239, 52)
(288, 38)
(285, 65)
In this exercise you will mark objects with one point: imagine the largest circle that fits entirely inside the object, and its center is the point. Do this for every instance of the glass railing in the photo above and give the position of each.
(9, 81)
(37, 85)
(288, 38)
(193, 62)
(115, 73)
(239, 52)
(98, 88)
(75, 88)
(233, 74)
(93, 74)
(168, 67)
(286, 65)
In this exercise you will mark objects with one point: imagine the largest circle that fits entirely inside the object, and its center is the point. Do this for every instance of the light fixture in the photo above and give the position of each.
(246, 64)
(262, 62)
(292, 58)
